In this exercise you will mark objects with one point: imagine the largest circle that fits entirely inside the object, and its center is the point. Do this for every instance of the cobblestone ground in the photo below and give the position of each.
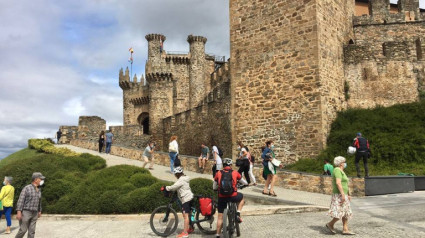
(400, 221)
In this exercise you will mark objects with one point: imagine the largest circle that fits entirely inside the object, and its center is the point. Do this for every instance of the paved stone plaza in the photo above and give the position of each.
(399, 215)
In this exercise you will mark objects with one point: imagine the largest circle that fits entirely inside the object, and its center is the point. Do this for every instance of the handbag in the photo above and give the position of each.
(177, 162)
(239, 162)
(172, 148)
(275, 162)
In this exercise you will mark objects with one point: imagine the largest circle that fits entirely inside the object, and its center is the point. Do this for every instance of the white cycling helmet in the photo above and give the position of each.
(178, 170)
(227, 161)
(351, 150)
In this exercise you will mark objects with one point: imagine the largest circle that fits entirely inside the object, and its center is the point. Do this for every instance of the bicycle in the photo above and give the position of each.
(164, 219)
(230, 223)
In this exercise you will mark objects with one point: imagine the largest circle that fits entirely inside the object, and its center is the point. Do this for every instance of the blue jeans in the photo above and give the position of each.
(7, 211)
(108, 147)
(173, 156)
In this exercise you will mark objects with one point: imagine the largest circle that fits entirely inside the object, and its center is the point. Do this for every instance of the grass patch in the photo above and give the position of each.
(396, 135)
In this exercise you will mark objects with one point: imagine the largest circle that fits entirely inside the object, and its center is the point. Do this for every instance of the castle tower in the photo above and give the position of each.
(161, 104)
(154, 52)
(197, 69)
(287, 72)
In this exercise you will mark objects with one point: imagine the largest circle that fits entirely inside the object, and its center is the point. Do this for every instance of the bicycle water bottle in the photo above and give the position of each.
(192, 216)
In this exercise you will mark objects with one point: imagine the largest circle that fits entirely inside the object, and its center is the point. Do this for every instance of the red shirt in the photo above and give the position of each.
(235, 178)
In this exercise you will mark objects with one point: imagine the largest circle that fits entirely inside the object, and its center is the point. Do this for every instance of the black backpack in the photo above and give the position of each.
(226, 183)
(220, 152)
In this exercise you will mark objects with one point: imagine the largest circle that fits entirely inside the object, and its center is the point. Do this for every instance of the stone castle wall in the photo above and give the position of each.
(89, 127)
(208, 123)
(130, 136)
(68, 133)
(384, 62)
(335, 29)
(275, 71)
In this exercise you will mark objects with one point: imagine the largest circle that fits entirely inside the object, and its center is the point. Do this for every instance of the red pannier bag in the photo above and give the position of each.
(206, 206)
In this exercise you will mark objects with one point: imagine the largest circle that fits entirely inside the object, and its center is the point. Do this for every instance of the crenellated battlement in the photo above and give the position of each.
(125, 83)
(177, 59)
(383, 12)
(192, 38)
(154, 77)
(151, 37)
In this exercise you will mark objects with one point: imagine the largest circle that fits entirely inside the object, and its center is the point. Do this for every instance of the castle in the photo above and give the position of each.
(293, 66)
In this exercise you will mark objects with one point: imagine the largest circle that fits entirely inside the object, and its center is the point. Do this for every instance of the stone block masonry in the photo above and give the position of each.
(286, 179)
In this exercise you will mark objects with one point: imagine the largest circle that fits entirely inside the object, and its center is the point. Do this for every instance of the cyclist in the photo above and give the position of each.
(233, 195)
(185, 195)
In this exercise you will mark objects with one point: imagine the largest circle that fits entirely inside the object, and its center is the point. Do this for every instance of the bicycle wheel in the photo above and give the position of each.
(238, 230)
(225, 229)
(209, 226)
(164, 224)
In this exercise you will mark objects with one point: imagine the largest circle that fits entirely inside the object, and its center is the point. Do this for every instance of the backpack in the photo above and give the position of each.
(226, 183)
(206, 206)
(220, 152)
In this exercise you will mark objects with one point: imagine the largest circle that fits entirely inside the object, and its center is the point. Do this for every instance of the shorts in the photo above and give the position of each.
(186, 207)
(222, 202)
(147, 159)
(204, 157)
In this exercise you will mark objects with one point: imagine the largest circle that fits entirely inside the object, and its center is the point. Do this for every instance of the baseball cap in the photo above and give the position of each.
(37, 175)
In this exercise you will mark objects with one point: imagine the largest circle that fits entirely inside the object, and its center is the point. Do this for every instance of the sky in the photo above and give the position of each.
(61, 59)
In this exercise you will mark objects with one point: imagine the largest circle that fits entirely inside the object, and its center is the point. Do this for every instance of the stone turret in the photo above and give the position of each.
(154, 51)
(197, 69)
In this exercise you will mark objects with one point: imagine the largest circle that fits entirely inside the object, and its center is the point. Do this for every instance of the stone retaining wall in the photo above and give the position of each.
(286, 179)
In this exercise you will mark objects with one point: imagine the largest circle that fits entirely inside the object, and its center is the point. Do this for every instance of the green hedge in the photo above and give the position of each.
(47, 146)
(396, 135)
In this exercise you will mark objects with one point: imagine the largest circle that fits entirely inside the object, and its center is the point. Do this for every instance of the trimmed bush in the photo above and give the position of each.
(204, 187)
(47, 146)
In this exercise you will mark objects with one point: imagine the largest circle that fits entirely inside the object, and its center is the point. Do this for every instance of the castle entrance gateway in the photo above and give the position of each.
(143, 120)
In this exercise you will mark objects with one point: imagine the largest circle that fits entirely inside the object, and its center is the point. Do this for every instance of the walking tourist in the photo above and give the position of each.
(58, 136)
(148, 155)
(340, 204)
(109, 141)
(362, 152)
(184, 193)
(6, 197)
(270, 164)
(173, 149)
(218, 164)
(101, 141)
(205, 152)
(29, 206)
(225, 181)
(244, 166)
(328, 168)
(251, 167)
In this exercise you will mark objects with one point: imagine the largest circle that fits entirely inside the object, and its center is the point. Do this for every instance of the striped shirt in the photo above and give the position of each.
(30, 199)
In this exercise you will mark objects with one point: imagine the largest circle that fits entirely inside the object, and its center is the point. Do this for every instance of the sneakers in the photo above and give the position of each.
(238, 217)
(183, 235)
(191, 230)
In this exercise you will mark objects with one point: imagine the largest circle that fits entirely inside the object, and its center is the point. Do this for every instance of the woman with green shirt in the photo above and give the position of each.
(340, 205)
(7, 194)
